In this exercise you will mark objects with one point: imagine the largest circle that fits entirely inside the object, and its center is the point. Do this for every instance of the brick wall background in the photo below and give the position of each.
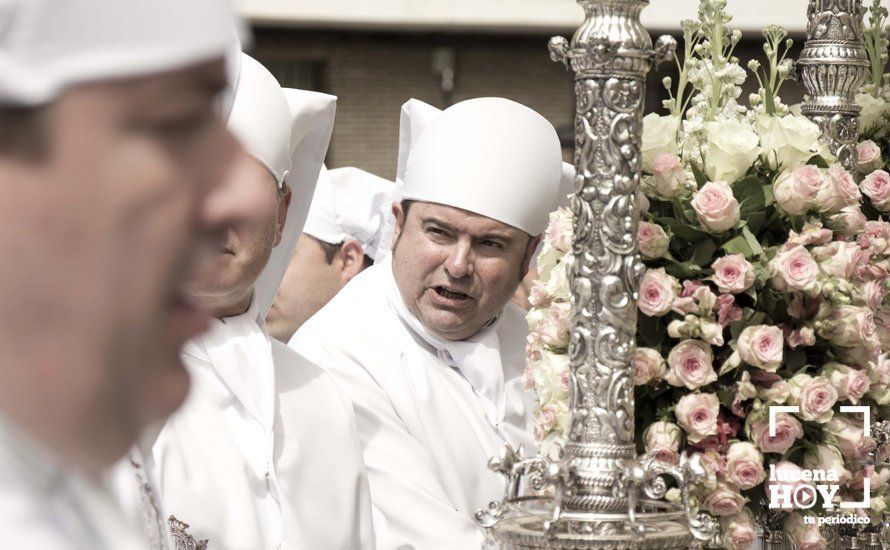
(374, 73)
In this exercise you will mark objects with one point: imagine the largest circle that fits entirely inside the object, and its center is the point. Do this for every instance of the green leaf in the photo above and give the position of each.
(700, 177)
(756, 248)
(738, 245)
(682, 270)
(651, 331)
(750, 186)
(703, 252)
(795, 359)
(756, 221)
(688, 232)
(818, 161)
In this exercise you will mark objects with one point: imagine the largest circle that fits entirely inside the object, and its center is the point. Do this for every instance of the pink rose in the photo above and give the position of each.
(838, 258)
(801, 337)
(554, 328)
(733, 274)
(794, 269)
(744, 465)
(851, 326)
(691, 365)
(727, 311)
(849, 221)
(814, 395)
(653, 241)
(648, 365)
(796, 190)
(811, 234)
(668, 176)
(829, 459)
(850, 437)
(874, 237)
(697, 414)
(837, 191)
(658, 290)
(762, 346)
(788, 429)
(876, 186)
(870, 294)
(868, 157)
(716, 209)
(738, 531)
(538, 295)
(664, 439)
(559, 231)
(849, 383)
(724, 500)
(804, 536)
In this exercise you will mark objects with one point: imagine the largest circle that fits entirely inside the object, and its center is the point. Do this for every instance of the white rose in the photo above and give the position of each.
(787, 141)
(732, 149)
(659, 136)
(874, 110)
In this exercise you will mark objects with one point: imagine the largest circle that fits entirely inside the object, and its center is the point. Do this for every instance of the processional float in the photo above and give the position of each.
(600, 493)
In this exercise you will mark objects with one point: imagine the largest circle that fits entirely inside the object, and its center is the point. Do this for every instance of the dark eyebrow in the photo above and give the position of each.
(438, 222)
(489, 235)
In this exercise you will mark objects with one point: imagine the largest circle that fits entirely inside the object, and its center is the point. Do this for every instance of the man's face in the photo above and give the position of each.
(224, 283)
(97, 241)
(309, 284)
(455, 269)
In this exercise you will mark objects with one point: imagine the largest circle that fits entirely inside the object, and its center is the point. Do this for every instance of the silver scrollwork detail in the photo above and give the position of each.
(831, 67)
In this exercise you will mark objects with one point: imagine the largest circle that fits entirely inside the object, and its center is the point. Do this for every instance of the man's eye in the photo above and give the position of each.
(492, 244)
(436, 231)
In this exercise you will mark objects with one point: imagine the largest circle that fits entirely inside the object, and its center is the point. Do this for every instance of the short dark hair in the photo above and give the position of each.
(330, 252)
(23, 131)
(406, 206)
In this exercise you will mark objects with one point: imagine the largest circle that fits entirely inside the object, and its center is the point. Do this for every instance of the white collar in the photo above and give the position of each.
(240, 352)
(478, 358)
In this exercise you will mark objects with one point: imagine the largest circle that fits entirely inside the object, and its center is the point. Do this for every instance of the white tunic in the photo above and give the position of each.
(264, 453)
(46, 507)
(426, 433)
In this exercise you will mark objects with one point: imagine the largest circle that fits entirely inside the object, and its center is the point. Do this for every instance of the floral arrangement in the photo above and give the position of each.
(768, 270)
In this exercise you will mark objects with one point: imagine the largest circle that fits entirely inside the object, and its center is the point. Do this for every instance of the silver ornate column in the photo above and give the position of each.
(603, 494)
(832, 66)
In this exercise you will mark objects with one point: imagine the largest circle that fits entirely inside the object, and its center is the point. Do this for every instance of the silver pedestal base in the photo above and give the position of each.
(526, 529)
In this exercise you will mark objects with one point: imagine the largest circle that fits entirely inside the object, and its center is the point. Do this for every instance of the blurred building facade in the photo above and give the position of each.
(375, 65)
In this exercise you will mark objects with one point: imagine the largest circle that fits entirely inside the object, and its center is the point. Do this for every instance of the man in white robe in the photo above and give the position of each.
(427, 344)
(111, 154)
(341, 238)
(264, 453)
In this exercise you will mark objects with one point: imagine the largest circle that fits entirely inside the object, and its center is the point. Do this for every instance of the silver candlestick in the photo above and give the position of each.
(832, 66)
(602, 495)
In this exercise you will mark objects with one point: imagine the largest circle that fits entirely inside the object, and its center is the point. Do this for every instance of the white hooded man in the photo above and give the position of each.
(264, 453)
(427, 343)
(111, 154)
(341, 238)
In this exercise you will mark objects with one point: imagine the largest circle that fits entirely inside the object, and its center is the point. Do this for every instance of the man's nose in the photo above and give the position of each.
(460, 260)
(232, 198)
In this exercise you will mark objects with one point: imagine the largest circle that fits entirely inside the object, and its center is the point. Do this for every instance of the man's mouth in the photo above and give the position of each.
(450, 293)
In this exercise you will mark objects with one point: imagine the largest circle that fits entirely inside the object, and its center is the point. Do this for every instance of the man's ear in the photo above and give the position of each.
(283, 204)
(529, 254)
(351, 259)
(400, 221)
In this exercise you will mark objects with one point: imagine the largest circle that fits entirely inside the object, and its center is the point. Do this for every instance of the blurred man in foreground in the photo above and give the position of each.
(341, 238)
(427, 343)
(264, 452)
(110, 154)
